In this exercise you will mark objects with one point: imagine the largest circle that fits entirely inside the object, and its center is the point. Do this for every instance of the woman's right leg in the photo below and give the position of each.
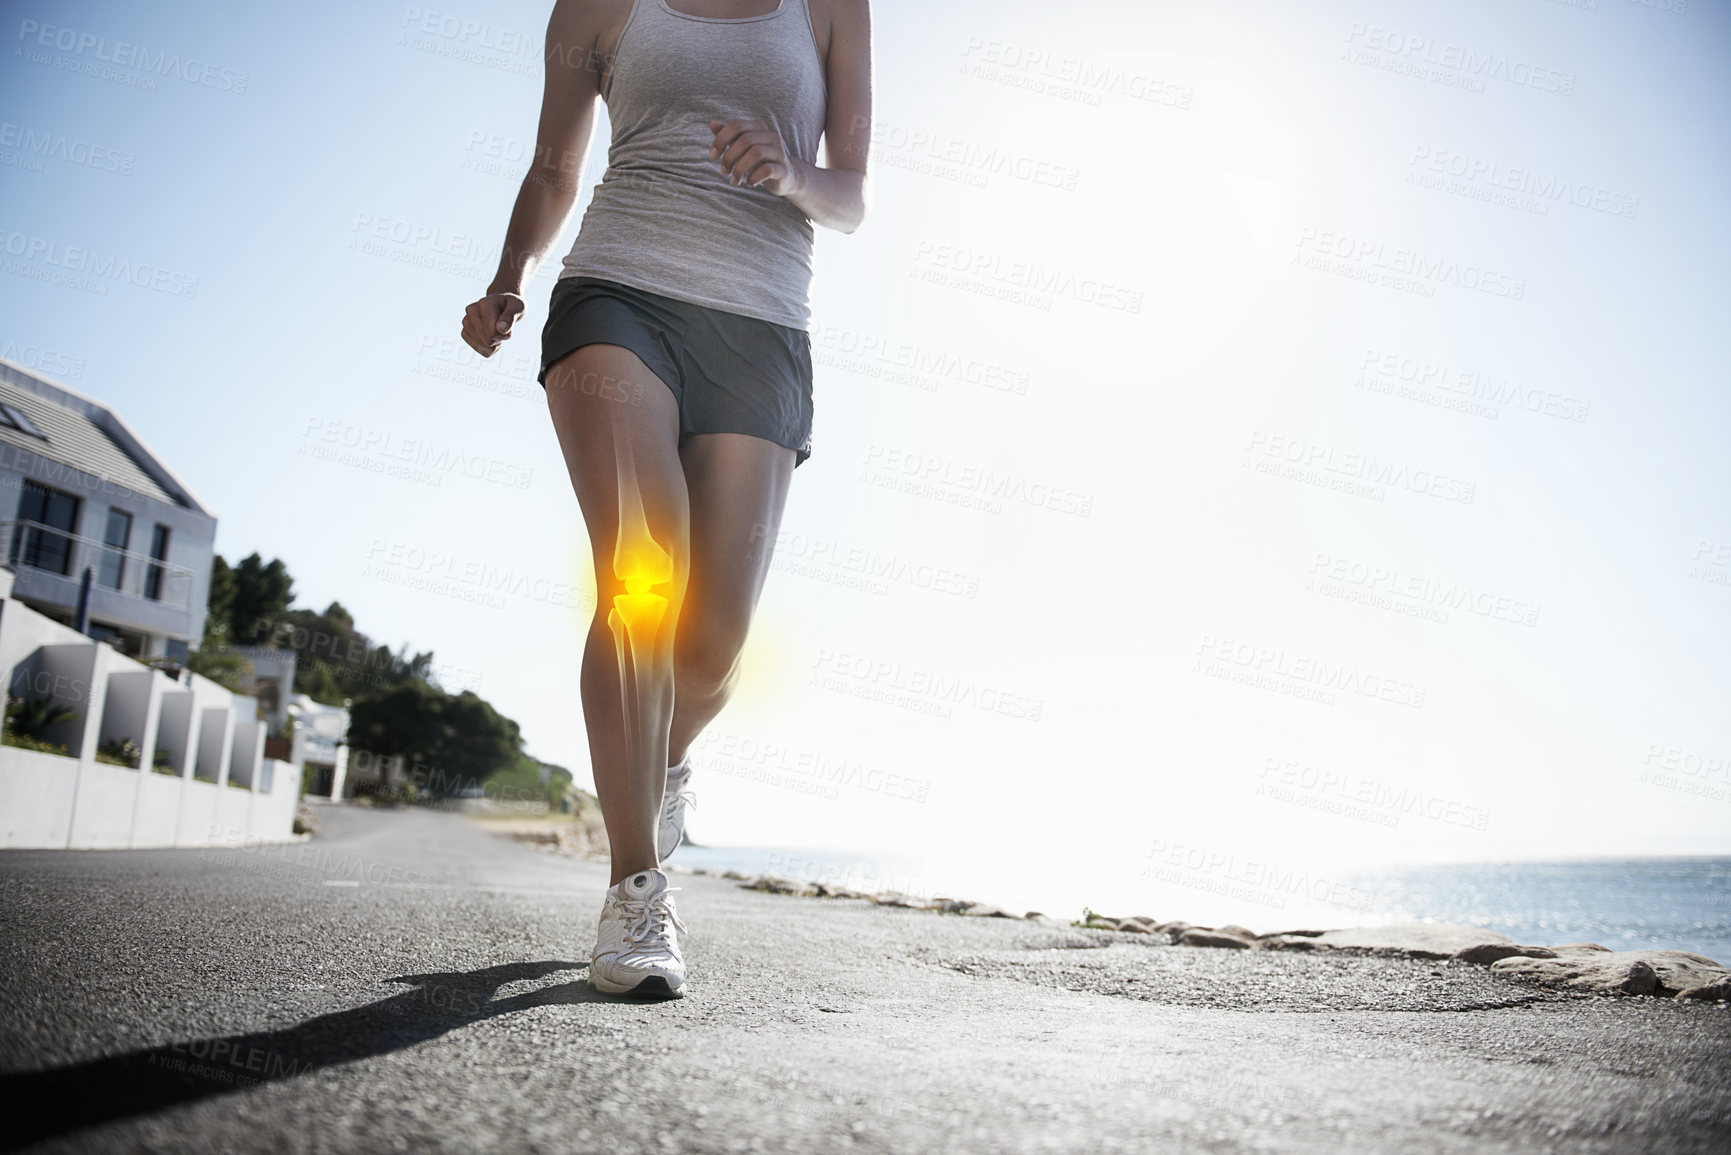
(621, 448)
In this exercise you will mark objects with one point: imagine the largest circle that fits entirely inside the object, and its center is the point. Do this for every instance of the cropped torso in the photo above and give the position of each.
(664, 217)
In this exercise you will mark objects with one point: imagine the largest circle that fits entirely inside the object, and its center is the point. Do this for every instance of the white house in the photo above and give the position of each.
(79, 490)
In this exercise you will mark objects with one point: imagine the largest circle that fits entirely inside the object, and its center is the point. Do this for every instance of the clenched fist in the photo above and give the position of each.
(487, 323)
(752, 155)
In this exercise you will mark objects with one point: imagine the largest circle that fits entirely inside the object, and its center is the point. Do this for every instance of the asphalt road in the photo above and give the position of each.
(409, 982)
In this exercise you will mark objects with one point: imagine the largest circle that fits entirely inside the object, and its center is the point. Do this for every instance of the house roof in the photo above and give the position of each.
(86, 435)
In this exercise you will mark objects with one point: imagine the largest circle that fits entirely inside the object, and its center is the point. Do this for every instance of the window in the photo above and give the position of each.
(37, 544)
(153, 574)
(111, 570)
(16, 418)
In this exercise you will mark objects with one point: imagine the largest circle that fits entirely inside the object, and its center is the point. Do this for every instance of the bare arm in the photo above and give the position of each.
(834, 194)
(549, 189)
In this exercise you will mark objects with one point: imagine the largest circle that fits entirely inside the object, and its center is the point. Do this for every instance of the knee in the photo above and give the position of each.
(640, 576)
(707, 656)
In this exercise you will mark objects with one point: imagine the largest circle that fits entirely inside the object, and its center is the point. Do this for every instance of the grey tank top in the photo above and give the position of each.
(663, 218)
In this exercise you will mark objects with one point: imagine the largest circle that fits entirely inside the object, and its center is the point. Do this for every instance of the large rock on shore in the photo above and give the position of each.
(1630, 972)
(1420, 940)
(1196, 936)
(1486, 953)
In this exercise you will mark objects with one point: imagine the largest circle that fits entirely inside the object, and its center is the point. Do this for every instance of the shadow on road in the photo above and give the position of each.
(62, 1099)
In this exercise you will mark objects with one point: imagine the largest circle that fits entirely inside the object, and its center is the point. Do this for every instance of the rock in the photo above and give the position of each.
(1174, 928)
(1147, 924)
(1134, 926)
(1293, 934)
(984, 910)
(894, 898)
(1034, 916)
(1421, 940)
(1199, 937)
(1487, 953)
(775, 885)
(1581, 946)
(1719, 991)
(1288, 942)
(1658, 972)
(736, 876)
(1642, 979)
(1236, 931)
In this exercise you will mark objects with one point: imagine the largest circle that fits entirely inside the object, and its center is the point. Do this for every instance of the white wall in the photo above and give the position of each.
(74, 801)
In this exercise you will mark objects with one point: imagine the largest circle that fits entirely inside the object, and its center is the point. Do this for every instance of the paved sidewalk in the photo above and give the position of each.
(408, 981)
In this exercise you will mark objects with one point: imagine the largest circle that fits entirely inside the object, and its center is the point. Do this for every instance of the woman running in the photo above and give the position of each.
(677, 367)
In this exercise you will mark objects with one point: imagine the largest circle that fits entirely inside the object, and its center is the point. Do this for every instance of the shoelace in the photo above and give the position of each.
(648, 917)
(684, 796)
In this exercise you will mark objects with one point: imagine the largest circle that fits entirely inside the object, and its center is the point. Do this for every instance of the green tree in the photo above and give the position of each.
(220, 605)
(228, 670)
(336, 661)
(450, 741)
(262, 593)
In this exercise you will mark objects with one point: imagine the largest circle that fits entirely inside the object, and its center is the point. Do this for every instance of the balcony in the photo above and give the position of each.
(36, 549)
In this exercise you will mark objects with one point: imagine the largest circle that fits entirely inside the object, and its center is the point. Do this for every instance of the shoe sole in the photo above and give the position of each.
(653, 987)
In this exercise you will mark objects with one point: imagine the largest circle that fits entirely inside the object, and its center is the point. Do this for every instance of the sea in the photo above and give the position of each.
(1679, 903)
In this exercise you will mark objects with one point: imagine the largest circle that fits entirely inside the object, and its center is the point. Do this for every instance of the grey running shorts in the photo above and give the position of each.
(729, 373)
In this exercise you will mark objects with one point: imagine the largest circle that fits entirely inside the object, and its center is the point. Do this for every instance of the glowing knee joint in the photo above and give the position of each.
(641, 565)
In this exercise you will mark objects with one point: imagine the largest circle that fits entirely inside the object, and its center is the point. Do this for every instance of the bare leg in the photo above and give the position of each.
(621, 450)
(738, 488)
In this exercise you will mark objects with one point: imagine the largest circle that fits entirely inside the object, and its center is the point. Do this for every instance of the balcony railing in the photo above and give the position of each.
(30, 545)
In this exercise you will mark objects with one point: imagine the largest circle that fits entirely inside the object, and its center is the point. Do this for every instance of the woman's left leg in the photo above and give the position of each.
(738, 486)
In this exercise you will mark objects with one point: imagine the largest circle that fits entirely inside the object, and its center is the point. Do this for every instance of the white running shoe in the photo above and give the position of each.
(674, 799)
(636, 946)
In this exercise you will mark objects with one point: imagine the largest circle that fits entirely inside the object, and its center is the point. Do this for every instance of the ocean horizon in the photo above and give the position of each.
(1667, 903)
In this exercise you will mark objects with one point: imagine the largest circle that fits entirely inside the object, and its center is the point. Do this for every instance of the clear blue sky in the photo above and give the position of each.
(1235, 305)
